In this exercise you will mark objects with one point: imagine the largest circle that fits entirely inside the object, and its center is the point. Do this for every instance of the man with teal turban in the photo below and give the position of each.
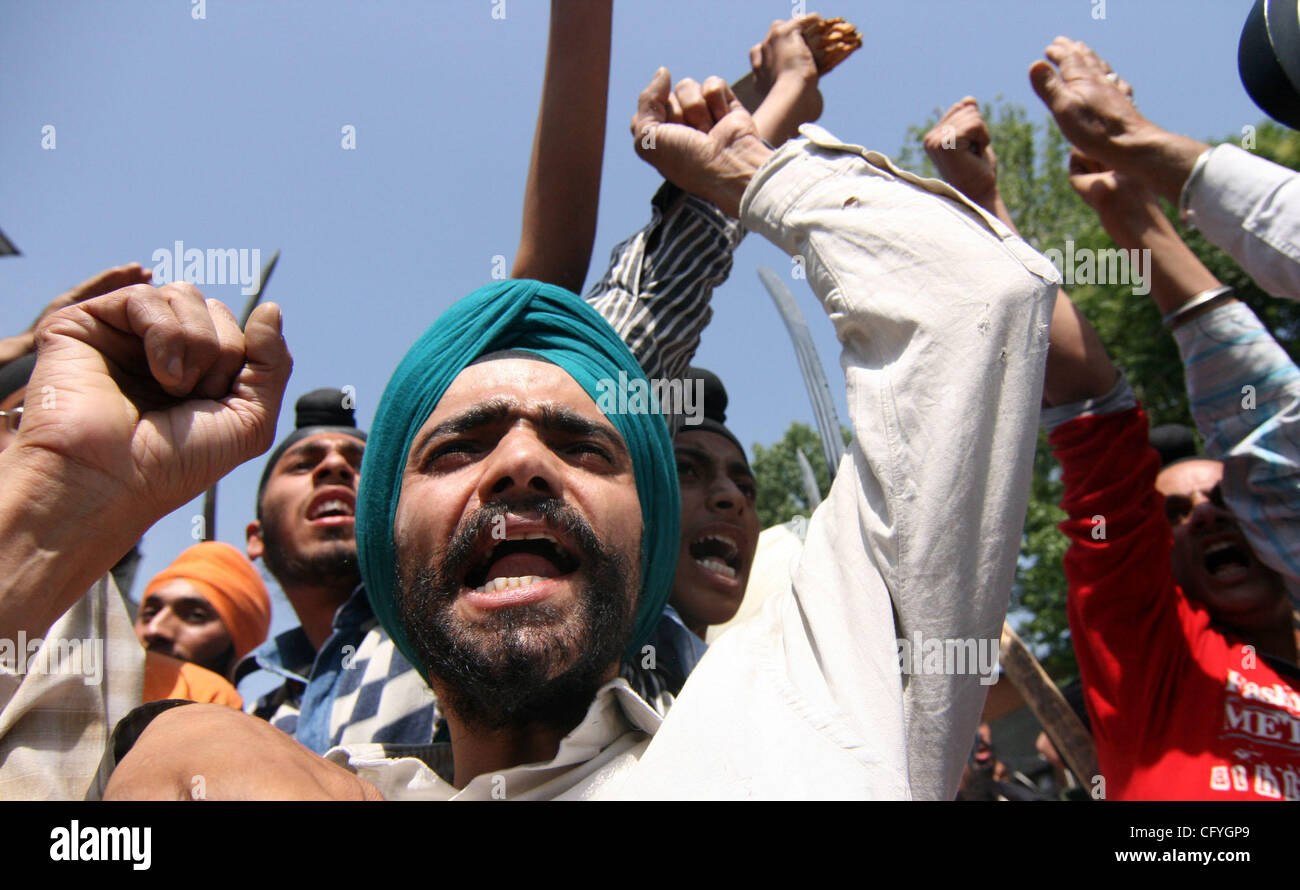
(552, 336)
(519, 542)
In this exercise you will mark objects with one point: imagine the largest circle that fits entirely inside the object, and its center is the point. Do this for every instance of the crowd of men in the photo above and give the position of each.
(503, 590)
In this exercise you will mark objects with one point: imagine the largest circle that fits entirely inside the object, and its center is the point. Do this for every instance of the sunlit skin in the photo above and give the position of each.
(514, 430)
(718, 499)
(1242, 595)
(177, 620)
(309, 507)
(9, 403)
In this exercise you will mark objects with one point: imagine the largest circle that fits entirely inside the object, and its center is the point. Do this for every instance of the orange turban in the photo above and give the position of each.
(230, 583)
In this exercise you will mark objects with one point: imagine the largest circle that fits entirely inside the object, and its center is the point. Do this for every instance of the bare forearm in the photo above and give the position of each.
(787, 105)
(563, 191)
(1162, 160)
(1078, 367)
(54, 543)
(1175, 274)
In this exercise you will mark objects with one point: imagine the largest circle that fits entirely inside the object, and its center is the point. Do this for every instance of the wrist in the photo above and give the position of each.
(50, 557)
(68, 507)
(1133, 222)
(1162, 160)
(798, 78)
(744, 159)
(1202, 302)
(792, 100)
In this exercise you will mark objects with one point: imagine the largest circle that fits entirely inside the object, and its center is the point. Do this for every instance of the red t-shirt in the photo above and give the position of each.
(1180, 710)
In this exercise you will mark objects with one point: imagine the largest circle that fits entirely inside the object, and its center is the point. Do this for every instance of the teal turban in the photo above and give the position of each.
(558, 326)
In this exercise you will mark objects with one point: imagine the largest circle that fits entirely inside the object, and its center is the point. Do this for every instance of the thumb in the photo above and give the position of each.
(1046, 83)
(1092, 187)
(652, 104)
(266, 368)
(732, 102)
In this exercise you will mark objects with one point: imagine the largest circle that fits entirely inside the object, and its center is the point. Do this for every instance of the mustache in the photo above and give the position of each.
(532, 664)
(460, 554)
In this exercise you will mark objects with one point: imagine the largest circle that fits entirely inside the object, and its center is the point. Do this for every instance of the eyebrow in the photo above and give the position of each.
(308, 449)
(549, 416)
(735, 467)
(183, 601)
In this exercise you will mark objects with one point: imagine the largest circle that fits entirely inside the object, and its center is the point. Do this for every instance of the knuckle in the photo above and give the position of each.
(181, 289)
(220, 311)
(48, 330)
(137, 292)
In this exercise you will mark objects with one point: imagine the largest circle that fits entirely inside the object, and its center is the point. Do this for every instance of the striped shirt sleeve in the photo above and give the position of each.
(1245, 397)
(656, 290)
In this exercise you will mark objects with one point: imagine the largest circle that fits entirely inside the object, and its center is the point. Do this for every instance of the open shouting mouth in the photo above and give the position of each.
(1226, 559)
(526, 564)
(718, 555)
(335, 505)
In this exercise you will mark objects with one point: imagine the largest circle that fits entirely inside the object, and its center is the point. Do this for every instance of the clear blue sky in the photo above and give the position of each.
(226, 133)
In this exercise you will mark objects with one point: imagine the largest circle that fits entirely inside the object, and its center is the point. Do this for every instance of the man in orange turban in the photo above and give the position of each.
(209, 607)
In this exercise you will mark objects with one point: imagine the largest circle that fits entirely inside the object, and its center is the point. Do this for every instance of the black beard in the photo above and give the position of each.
(526, 666)
(333, 566)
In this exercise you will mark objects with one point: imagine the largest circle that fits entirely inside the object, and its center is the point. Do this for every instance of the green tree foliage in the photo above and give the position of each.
(776, 473)
(1032, 175)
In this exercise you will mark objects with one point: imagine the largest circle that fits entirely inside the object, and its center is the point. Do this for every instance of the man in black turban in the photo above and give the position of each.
(305, 532)
(719, 534)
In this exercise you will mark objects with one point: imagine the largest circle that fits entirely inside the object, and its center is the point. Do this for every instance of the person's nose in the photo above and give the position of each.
(521, 466)
(335, 469)
(1206, 516)
(161, 627)
(726, 497)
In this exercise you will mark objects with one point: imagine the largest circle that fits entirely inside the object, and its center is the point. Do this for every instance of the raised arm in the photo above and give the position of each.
(1245, 204)
(1243, 388)
(961, 148)
(657, 287)
(786, 76)
(943, 315)
(563, 191)
(140, 399)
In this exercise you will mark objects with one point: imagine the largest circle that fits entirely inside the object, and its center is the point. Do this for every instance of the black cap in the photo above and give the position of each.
(1268, 59)
(715, 407)
(319, 411)
(1175, 443)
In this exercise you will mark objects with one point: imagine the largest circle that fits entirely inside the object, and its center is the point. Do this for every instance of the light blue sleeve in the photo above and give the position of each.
(1245, 397)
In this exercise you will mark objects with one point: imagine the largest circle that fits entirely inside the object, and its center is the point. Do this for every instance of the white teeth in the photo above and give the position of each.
(1216, 548)
(721, 539)
(531, 536)
(509, 582)
(714, 565)
(338, 504)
